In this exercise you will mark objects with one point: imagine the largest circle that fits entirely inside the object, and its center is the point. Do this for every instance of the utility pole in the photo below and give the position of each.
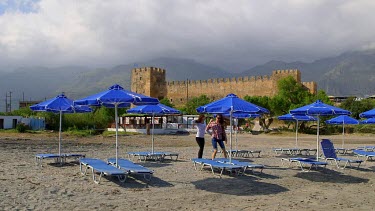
(6, 102)
(187, 90)
(8, 106)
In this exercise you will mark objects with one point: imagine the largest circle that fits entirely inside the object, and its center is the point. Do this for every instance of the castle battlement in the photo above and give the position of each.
(290, 71)
(151, 81)
(150, 69)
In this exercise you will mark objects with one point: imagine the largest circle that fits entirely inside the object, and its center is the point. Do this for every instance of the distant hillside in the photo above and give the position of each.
(351, 73)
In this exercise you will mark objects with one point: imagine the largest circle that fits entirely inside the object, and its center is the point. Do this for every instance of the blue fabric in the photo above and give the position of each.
(343, 119)
(59, 103)
(241, 115)
(319, 108)
(328, 149)
(368, 114)
(159, 109)
(368, 121)
(116, 95)
(130, 166)
(290, 117)
(231, 103)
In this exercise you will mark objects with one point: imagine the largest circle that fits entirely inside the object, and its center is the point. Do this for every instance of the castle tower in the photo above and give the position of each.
(149, 81)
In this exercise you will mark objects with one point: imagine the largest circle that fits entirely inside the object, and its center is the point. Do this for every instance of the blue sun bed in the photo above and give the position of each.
(303, 162)
(132, 168)
(213, 164)
(144, 156)
(157, 156)
(366, 154)
(56, 157)
(244, 153)
(329, 153)
(245, 165)
(102, 168)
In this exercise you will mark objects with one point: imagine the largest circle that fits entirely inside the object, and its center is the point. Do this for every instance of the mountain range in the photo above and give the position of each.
(351, 73)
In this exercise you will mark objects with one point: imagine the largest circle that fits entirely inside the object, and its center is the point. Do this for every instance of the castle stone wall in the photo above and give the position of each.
(151, 82)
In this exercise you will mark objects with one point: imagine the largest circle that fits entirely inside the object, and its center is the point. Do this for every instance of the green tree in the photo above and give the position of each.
(167, 102)
(356, 106)
(194, 103)
(293, 92)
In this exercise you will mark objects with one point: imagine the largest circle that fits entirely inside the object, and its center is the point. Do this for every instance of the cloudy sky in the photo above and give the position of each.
(234, 35)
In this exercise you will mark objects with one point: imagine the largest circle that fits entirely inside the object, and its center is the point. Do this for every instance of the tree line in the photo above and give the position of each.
(291, 95)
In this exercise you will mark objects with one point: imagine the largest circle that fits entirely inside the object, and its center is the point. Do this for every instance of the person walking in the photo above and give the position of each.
(218, 135)
(200, 124)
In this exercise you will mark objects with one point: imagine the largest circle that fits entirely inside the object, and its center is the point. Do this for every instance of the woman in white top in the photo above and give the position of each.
(201, 129)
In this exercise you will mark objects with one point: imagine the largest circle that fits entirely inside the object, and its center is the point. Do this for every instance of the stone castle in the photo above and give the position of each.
(152, 82)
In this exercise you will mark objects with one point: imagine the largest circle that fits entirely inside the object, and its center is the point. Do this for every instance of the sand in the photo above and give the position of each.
(176, 185)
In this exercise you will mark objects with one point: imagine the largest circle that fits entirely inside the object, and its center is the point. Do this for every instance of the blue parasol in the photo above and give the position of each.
(60, 104)
(296, 118)
(343, 120)
(116, 97)
(229, 105)
(368, 114)
(159, 109)
(368, 121)
(318, 109)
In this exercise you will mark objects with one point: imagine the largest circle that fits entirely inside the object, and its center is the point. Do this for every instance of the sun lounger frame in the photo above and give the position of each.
(294, 151)
(302, 162)
(217, 165)
(368, 155)
(132, 168)
(157, 156)
(57, 158)
(330, 155)
(245, 165)
(245, 153)
(108, 170)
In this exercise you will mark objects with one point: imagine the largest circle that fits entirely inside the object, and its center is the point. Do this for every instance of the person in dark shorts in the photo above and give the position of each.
(216, 128)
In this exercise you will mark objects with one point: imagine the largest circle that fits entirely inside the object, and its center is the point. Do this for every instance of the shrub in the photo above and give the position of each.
(21, 127)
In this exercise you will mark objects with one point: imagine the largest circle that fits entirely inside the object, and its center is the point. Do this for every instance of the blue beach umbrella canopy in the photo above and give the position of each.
(116, 97)
(318, 108)
(60, 104)
(368, 121)
(343, 120)
(368, 114)
(159, 109)
(229, 105)
(296, 118)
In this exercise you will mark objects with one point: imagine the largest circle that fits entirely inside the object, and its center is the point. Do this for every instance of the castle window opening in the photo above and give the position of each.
(181, 99)
(140, 78)
(171, 100)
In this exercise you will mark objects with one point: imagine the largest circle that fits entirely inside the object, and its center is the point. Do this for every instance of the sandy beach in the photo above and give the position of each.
(176, 185)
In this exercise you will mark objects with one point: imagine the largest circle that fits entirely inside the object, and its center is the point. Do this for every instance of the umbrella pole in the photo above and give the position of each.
(152, 134)
(317, 141)
(116, 122)
(236, 131)
(60, 133)
(230, 137)
(297, 133)
(343, 134)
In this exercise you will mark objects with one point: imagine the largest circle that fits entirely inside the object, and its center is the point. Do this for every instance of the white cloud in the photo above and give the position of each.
(237, 33)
